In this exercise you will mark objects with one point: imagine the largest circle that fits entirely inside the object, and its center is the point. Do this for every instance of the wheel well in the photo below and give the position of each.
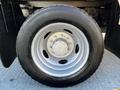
(98, 9)
(10, 11)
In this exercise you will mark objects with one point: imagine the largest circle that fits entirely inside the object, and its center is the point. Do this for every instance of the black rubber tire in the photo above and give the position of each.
(59, 13)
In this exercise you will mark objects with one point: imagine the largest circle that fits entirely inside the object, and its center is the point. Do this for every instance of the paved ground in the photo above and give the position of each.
(107, 77)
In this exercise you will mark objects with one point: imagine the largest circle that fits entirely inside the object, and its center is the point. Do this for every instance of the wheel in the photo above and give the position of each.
(60, 46)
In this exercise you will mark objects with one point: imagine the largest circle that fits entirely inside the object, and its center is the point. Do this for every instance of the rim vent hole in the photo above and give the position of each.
(63, 61)
(46, 35)
(67, 31)
(77, 49)
(45, 54)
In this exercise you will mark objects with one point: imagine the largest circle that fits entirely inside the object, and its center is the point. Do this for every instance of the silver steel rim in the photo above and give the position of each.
(60, 49)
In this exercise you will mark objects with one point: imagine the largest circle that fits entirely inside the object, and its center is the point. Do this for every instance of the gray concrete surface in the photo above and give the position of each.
(107, 77)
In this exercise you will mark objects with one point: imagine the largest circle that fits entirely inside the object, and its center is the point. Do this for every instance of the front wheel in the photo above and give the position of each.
(60, 46)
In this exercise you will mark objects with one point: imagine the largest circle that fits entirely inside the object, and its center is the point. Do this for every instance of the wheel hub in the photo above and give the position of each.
(60, 44)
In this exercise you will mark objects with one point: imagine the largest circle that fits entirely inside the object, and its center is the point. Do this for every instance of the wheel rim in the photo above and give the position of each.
(60, 49)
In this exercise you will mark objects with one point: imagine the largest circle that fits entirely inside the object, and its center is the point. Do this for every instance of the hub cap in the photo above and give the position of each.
(60, 49)
(60, 44)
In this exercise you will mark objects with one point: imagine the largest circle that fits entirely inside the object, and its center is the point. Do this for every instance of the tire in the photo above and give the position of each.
(82, 26)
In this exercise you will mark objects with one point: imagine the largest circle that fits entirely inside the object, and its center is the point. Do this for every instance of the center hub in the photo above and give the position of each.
(60, 44)
(60, 48)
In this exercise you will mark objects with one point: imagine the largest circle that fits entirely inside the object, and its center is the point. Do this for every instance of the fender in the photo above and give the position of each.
(112, 39)
(11, 19)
